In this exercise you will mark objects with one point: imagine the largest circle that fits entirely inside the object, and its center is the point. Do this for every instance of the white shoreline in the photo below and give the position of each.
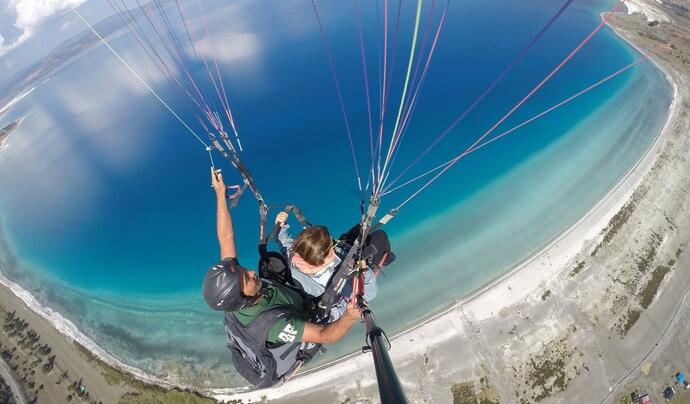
(60, 323)
(72, 332)
(17, 99)
(505, 291)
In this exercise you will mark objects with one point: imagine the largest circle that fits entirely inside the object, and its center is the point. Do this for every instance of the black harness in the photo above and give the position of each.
(263, 364)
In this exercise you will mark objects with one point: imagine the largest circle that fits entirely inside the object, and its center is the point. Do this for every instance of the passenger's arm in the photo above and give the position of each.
(224, 228)
(284, 239)
(334, 331)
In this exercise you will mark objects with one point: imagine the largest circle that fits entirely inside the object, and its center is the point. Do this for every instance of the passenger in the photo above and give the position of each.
(240, 292)
(314, 256)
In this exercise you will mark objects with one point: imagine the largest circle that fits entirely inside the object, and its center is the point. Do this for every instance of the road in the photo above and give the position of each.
(7, 376)
(652, 349)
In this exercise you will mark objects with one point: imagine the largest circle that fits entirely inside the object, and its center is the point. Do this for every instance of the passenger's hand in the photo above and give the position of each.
(281, 218)
(353, 313)
(217, 181)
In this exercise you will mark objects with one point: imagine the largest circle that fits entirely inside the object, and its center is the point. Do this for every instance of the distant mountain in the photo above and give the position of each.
(63, 54)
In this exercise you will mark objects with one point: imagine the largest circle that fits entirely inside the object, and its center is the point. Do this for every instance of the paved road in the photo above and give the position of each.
(7, 376)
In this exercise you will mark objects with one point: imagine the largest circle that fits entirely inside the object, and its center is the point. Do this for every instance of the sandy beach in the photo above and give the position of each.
(71, 364)
(575, 320)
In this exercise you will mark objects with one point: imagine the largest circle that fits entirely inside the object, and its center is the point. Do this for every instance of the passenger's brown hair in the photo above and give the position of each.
(313, 245)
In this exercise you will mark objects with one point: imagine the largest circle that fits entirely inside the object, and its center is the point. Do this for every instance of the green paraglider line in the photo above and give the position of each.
(519, 104)
(407, 81)
(513, 129)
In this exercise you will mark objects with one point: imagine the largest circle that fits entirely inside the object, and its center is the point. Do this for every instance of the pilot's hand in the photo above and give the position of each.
(353, 313)
(217, 181)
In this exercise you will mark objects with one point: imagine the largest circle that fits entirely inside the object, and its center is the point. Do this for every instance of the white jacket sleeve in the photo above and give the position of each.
(285, 240)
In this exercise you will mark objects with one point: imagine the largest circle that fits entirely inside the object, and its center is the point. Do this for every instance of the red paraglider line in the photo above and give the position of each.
(486, 91)
(534, 118)
(413, 102)
(518, 105)
(130, 21)
(339, 93)
(366, 78)
(383, 91)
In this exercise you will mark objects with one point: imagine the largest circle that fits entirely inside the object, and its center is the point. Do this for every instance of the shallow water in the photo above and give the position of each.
(105, 201)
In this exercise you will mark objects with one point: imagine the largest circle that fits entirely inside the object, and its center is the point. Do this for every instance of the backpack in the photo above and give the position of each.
(262, 365)
(274, 266)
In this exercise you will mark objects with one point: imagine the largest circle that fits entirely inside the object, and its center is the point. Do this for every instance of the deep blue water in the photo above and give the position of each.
(105, 198)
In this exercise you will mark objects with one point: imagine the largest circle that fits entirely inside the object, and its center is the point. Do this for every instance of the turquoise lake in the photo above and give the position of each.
(105, 199)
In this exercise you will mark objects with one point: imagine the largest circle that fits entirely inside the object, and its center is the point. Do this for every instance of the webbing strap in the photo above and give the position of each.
(385, 219)
(273, 235)
(348, 266)
(289, 351)
(337, 282)
(234, 159)
(298, 215)
(263, 220)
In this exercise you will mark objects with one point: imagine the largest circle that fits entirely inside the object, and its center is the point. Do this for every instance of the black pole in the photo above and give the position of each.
(390, 390)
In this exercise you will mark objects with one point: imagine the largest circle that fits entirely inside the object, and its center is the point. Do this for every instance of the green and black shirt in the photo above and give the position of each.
(286, 330)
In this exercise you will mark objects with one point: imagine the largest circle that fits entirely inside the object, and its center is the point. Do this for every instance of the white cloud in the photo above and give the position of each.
(57, 186)
(69, 25)
(94, 99)
(30, 14)
(229, 47)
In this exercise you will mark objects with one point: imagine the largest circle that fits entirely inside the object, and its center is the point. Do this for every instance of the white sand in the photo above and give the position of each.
(650, 12)
(70, 330)
(10, 104)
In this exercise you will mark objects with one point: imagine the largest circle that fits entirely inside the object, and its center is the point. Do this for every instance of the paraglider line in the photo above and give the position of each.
(405, 87)
(513, 129)
(519, 104)
(413, 103)
(486, 91)
(140, 79)
(366, 78)
(339, 93)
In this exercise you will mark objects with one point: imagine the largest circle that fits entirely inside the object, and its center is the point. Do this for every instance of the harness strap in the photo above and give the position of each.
(273, 235)
(261, 325)
(289, 351)
(263, 220)
(298, 215)
(337, 282)
(385, 219)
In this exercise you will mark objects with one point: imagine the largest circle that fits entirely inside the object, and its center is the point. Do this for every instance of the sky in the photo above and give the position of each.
(29, 29)
(22, 18)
